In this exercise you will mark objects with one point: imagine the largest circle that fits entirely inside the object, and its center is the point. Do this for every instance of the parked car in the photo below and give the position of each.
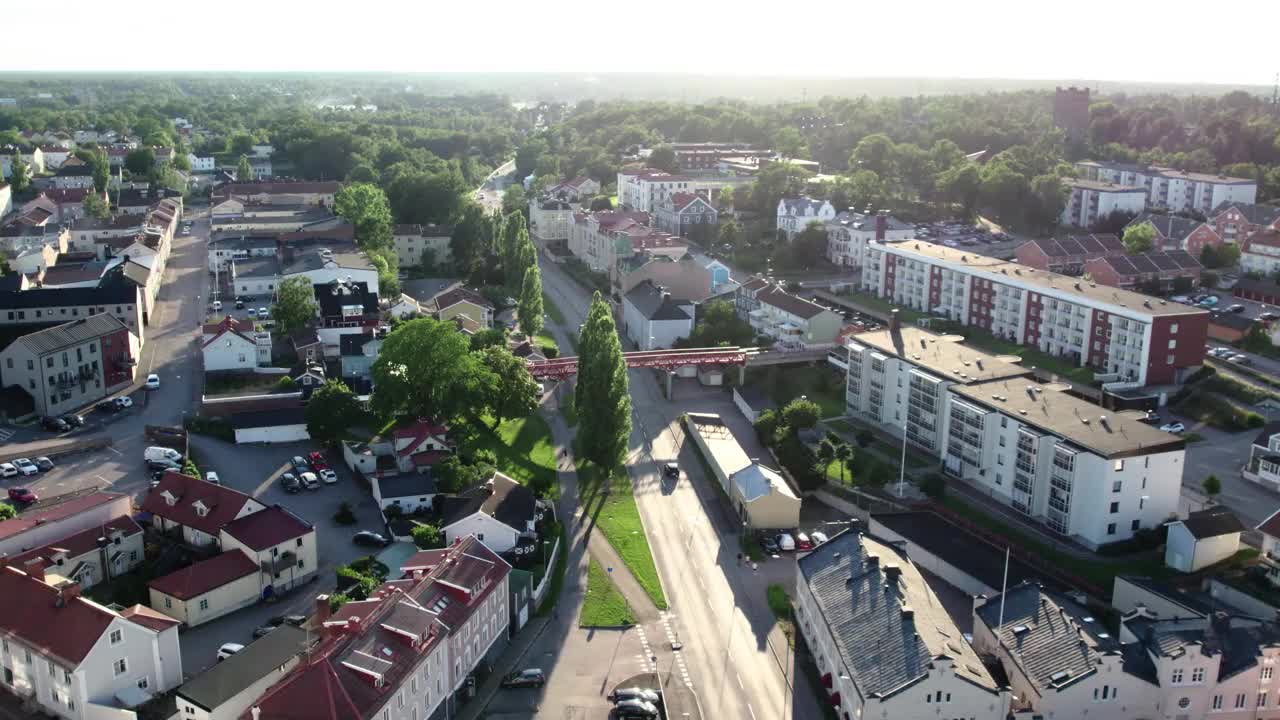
(299, 463)
(216, 305)
(108, 406)
(22, 495)
(123, 402)
(55, 424)
(1173, 427)
(7, 470)
(316, 461)
(370, 538)
(290, 483)
(228, 649)
(239, 303)
(44, 463)
(633, 693)
(153, 382)
(294, 620)
(1267, 316)
(212, 477)
(818, 537)
(671, 470)
(156, 452)
(1236, 308)
(73, 420)
(529, 677)
(1180, 299)
(328, 476)
(26, 467)
(164, 465)
(1220, 352)
(770, 545)
(309, 480)
(1240, 359)
(263, 313)
(786, 543)
(803, 542)
(262, 630)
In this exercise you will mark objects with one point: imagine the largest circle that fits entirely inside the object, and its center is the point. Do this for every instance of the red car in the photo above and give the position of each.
(803, 542)
(22, 495)
(317, 461)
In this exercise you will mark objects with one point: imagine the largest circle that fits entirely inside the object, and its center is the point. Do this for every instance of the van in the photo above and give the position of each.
(154, 453)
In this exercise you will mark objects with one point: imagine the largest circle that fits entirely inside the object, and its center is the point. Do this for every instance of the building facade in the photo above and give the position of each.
(687, 215)
(849, 233)
(1172, 189)
(69, 366)
(795, 214)
(1091, 201)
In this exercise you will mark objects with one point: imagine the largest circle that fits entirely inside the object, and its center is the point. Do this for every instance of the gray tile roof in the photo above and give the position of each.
(1054, 643)
(266, 266)
(793, 304)
(407, 485)
(649, 300)
(1255, 214)
(71, 334)
(1173, 227)
(424, 289)
(888, 631)
(226, 679)
(1212, 522)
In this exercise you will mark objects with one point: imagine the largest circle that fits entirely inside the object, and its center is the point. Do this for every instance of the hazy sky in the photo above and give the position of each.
(1082, 40)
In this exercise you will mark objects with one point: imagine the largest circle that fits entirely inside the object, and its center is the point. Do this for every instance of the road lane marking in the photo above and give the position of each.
(753, 712)
(739, 678)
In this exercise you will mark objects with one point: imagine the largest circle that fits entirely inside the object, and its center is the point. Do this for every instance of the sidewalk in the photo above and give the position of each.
(505, 665)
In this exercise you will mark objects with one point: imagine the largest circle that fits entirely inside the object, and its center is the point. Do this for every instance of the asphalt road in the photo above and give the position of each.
(733, 656)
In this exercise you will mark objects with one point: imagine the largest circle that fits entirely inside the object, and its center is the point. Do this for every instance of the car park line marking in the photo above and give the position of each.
(753, 712)
(112, 449)
(739, 679)
(5, 434)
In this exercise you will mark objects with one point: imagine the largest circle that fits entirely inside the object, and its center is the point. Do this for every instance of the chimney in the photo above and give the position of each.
(322, 608)
(70, 591)
(892, 573)
(882, 225)
(34, 568)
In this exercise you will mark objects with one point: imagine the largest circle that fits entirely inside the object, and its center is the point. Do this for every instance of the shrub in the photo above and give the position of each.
(286, 384)
(337, 600)
(933, 485)
(345, 515)
(213, 427)
(427, 537)
(1254, 420)
(864, 437)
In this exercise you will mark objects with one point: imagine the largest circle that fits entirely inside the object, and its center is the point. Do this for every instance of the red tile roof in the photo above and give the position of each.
(417, 432)
(429, 457)
(199, 578)
(79, 543)
(223, 504)
(267, 528)
(148, 618)
(337, 682)
(29, 611)
(1267, 236)
(55, 513)
(228, 323)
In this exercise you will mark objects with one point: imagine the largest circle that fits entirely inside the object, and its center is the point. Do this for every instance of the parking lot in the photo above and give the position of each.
(256, 470)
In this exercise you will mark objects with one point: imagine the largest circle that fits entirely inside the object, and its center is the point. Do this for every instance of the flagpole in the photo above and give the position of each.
(1004, 586)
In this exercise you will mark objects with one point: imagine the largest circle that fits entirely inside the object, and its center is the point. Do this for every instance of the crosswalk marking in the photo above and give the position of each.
(6, 433)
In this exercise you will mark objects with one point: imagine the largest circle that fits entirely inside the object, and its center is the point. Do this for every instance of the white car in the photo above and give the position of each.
(153, 382)
(7, 470)
(123, 401)
(253, 314)
(26, 467)
(263, 313)
(328, 476)
(217, 306)
(1173, 427)
(228, 649)
(309, 481)
(212, 477)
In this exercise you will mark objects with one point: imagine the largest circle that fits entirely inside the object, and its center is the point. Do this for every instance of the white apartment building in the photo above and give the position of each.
(1174, 189)
(849, 233)
(883, 643)
(1260, 252)
(1125, 336)
(1094, 200)
(6, 200)
(592, 237)
(1085, 473)
(77, 659)
(643, 190)
(411, 240)
(550, 219)
(795, 214)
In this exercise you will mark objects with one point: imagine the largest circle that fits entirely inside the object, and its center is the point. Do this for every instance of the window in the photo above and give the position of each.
(1266, 672)
(1135, 525)
(204, 603)
(1173, 344)
(52, 669)
(27, 656)
(143, 684)
(1119, 466)
(120, 667)
(1217, 703)
(1262, 699)
(133, 556)
(1168, 359)
(1115, 486)
(1240, 699)
(66, 676)
(168, 602)
(1197, 675)
(1115, 508)
(117, 636)
(1173, 329)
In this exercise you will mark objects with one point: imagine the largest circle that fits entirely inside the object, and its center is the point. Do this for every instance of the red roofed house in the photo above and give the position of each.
(1067, 255)
(405, 651)
(235, 345)
(592, 235)
(99, 553)
(1261, 252)
(60, 519)
(415, 446)
(265, 550)
(76, 658)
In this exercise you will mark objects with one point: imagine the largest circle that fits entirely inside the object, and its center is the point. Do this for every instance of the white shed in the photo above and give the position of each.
(268, 426)
(1202, 539)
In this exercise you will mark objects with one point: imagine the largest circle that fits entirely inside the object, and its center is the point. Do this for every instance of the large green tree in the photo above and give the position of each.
(602, 397)
(365, 206)
(295, 307)
(511, 390)
(96, 207)
(244, 171)
(529, 310)
(140, 161)
(1139, 238)
(426, 369)
(718, 324)
(19, 175)
(663, 158)
(101, 167)
(330, 410)
(515, 238)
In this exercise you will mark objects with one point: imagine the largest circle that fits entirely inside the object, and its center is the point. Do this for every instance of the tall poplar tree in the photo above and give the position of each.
(529, 311)
(602, 396)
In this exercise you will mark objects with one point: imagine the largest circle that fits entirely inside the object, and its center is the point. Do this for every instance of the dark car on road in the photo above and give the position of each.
(770, 545)
(370, 538)
(44, 463)
(73, 420)
(55, 424)
(22, 495)
(290, 483)
(108, 406)
(299, 464)
(529, 677)
(294, 620)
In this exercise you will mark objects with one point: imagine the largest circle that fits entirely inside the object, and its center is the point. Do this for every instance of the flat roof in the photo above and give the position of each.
(1104, 186)
(1040, 280)
(941, 355)
(1077, 421)
(719, 439)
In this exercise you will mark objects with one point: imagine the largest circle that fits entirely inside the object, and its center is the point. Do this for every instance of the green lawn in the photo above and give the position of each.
(552, 309)
(546, 343)
(779, 603)
(523, 448)
(820, 384)
(1030, 356)
(615, 514)
(882, 307)
(603, 606)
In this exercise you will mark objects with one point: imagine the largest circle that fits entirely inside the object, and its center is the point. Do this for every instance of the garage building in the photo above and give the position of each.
(268, 426)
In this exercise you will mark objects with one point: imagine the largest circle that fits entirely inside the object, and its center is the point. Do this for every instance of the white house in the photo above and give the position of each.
(75, 658)
(79, 558)
(1264, 457)
(194, 510)
(206, 590)
(498, 513)
(343, 267)
(848, 234)
(1093, 200)
(418, 445)
(1203, 538)
(795, 214)
(759, 495)
(230, 347)
(202, 164)
(884, 645)
(1270, 529)
(653, 319)
(54, 520)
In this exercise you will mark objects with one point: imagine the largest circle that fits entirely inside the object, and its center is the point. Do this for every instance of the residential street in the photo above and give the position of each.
(736, 659)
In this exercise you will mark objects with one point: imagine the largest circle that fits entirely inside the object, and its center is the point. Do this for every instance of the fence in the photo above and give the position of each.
(541, 591)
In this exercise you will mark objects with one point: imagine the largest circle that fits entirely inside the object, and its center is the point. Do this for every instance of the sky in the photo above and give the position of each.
(1084, 40)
